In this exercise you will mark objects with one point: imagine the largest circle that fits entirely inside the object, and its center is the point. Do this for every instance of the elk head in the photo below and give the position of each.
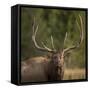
(57, 56)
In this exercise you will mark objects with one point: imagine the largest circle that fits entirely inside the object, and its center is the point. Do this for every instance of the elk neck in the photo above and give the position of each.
(58, 64)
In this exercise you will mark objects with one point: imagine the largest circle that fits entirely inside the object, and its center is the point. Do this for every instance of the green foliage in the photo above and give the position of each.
(55, 22)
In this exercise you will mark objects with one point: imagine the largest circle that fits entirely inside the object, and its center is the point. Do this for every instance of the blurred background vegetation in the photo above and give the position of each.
(55, 22)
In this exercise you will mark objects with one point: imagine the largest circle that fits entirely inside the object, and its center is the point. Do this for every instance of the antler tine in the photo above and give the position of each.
(65, 38)
(33, 25)
(46, 47)
(34, 40)
(52, 43)
(81, 36)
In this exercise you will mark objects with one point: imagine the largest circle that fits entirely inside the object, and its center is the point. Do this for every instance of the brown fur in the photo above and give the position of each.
(39, 69)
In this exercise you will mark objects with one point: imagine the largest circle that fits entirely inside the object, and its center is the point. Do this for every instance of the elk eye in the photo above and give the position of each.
(55, 57)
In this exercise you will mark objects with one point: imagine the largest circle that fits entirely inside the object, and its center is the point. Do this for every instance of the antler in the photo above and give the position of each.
(44, 48)
(81, 36)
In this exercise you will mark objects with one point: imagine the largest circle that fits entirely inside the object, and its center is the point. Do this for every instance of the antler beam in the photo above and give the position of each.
(44, 48)
(81, 36)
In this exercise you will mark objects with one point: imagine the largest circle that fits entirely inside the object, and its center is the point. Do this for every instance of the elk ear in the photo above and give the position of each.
(49, 55)
(67, 54)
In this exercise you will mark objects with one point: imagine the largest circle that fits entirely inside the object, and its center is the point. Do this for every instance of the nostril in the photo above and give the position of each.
(56, 62)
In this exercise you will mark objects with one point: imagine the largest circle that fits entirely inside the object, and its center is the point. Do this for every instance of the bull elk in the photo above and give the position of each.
(38, 69)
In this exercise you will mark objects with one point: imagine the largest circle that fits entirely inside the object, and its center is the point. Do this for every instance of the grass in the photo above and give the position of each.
(71, 74)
